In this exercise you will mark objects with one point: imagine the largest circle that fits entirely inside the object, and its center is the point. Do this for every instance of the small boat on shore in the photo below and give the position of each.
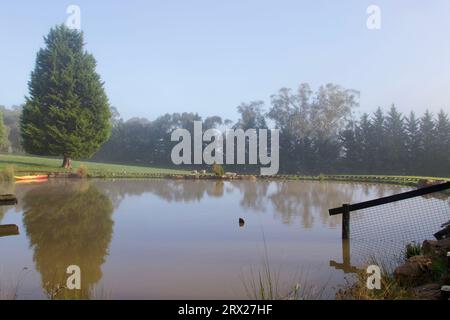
(34, 177)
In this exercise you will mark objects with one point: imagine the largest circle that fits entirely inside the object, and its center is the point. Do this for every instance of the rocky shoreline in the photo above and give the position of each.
(428, 273)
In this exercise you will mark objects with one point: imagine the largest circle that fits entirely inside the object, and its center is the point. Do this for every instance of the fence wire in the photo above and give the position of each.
(381, 234)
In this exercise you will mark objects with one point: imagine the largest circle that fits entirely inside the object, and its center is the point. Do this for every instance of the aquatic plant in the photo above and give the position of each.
(413, 249)
(265, 284)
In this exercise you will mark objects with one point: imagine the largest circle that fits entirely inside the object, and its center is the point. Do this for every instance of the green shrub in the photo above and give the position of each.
(7, 174)
(218, 170)
(413, 249)
(82, 171)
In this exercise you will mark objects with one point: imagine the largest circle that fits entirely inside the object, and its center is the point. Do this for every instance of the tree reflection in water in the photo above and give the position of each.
(304, 201)
(68, 224)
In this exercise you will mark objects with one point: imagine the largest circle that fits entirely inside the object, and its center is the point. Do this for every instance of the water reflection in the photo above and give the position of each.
(69, 224)
(5, 188)
(291, 201)
(178, 235)
(346, 264)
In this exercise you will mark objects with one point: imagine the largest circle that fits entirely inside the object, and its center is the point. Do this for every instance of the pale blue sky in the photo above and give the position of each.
(209, 56)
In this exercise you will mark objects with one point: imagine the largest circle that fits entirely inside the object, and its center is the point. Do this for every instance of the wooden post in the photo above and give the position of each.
(346, 222)
(7, 199)
(345, 265)
(346, 252)
(8, 230)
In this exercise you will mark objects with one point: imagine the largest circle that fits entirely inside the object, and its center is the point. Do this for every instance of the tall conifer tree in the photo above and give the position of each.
(67, 112)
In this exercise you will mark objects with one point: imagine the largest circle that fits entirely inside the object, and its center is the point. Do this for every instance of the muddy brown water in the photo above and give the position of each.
(170, 239)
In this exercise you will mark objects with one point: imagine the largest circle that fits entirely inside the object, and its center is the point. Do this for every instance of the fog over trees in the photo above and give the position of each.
(319, 133)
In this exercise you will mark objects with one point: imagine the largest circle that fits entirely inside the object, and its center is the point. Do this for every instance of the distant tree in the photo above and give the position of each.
(67, 113)
(3, 133)
(352, 147)
(364, 140)
(331, 108)
(412, 142)
(309, 124)
(395, 141)
(115, 116)
(378, 141)
(251, 116)
(442, 143)
(212, 122)
(11, 119)
(427, 141)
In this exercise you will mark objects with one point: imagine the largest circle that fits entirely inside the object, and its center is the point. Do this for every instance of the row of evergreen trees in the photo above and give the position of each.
(395, 144)
(378, 143)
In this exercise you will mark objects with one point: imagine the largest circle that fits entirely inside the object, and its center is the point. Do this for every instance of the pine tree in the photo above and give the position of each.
(67, 113)
(395, 141)
(364, 138)
(350, 146)
(442, 143)
(412, 142)
(378, 142)
(427, 143)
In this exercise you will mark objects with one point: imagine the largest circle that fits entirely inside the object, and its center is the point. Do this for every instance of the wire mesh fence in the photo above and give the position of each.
(384, 231)
(380, 232)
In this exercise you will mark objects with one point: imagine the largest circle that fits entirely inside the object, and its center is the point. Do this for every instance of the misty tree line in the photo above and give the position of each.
(392, 143)
(318, 134)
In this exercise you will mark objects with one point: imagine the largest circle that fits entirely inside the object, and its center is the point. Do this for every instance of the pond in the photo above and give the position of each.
(174, 239)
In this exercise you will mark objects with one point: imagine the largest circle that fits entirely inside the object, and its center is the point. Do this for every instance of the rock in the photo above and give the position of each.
(194, 172)
(436, 247)
(429, 291)
(231, 174)
(203, 172)
(415, 269)
(429, 247)
(445, 292)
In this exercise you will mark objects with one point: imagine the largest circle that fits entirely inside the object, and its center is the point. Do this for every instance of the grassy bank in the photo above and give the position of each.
(31, 164)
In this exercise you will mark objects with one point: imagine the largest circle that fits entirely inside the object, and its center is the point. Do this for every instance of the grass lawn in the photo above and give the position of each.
(29, 164)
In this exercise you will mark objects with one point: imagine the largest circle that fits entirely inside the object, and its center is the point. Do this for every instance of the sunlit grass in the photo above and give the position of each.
(25, 164)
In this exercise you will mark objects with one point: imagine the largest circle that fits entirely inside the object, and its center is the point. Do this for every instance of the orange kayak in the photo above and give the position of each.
(31, 177)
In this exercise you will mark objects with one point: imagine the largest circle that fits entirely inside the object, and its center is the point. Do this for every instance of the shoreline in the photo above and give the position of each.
(409, 181)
